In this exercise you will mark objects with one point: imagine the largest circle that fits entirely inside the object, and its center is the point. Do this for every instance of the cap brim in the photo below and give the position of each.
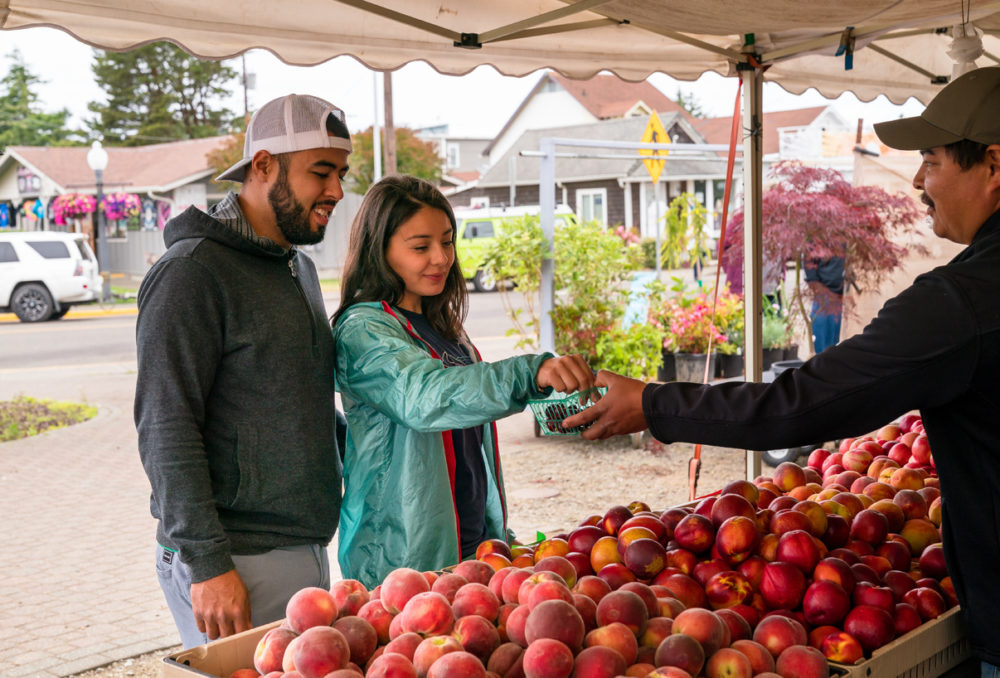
(235, 173)
(913, 134)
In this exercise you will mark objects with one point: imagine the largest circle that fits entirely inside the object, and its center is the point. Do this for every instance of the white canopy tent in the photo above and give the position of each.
(900, 44)
(899, 48)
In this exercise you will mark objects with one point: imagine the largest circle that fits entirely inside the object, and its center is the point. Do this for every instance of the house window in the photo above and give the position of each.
(592, 205)
(792, 142)
(453, 156)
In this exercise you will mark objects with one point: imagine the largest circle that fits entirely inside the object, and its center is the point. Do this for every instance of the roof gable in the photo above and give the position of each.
(608, 96)
(131, 169)
(603, 96)
(717, 130)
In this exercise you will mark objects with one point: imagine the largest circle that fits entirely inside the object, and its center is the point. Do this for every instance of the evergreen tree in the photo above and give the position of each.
(22, 122)
(690, 103)
(158, 93)
(413, 156)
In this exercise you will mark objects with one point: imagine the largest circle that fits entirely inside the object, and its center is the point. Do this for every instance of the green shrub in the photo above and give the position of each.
(23, 417)
(635, 352)
(591, 268)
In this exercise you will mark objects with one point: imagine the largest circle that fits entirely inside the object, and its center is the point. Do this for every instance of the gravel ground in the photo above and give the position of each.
(553, 484)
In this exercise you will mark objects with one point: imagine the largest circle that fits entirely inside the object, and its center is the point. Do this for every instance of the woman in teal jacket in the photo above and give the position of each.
(422, 479)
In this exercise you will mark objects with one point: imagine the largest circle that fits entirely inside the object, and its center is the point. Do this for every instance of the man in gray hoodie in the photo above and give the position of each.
(235, 393)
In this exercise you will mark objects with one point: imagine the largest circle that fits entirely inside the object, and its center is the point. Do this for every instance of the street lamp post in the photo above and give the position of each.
(97, 158)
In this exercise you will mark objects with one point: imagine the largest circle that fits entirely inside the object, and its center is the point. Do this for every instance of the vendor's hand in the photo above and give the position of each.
(618, 412)
(221, 605)
(565, 374)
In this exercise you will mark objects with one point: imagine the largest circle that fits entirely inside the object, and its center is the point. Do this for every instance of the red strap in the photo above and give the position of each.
(449, 455)
(694, 466)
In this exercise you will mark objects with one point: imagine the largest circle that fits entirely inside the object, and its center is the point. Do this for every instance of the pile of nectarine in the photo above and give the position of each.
(775, 577)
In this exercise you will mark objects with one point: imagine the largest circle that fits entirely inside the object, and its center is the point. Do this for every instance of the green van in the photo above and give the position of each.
(477, 229)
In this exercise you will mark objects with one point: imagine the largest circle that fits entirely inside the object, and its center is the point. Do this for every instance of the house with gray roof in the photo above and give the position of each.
(610, 187)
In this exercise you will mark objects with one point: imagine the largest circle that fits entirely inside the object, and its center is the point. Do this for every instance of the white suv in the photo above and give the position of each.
(43, 273)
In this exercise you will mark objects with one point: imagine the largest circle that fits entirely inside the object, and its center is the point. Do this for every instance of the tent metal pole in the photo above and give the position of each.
(402, 18)
(909, 64)
(574, 8)
(753, 80)
(547, 207)
(555, 30)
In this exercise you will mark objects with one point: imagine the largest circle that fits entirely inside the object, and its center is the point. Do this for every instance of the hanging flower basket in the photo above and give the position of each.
(71, 206)
(118, 206)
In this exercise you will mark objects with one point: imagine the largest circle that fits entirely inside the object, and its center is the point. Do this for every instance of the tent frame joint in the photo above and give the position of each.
(469, 41)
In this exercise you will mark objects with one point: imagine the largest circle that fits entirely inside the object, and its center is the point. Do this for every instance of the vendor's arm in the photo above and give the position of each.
(179, 340)
(618, 412)
(920, 351)
(380, 365)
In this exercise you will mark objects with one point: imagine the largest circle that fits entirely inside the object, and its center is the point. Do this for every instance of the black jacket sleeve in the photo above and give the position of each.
(920, 351)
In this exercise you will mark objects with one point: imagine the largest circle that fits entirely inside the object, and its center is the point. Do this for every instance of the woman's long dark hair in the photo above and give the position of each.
(367, 274)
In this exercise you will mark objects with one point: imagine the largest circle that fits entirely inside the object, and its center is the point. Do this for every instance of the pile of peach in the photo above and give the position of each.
(775, 577)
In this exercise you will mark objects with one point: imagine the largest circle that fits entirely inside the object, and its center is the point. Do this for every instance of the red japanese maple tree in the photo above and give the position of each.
(814, 213)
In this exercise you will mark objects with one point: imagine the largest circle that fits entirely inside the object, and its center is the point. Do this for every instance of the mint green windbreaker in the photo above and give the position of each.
(401, 404)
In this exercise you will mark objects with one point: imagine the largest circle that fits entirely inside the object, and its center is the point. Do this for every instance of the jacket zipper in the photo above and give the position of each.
(302, 295)
(498, 474)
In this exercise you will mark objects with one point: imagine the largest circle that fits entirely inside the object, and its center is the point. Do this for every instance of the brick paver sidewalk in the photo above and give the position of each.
(78, 587)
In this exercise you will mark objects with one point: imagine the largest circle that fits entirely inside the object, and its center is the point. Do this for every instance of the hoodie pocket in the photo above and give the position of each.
(256, 479)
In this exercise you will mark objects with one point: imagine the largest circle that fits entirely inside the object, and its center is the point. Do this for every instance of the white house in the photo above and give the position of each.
(556, 101)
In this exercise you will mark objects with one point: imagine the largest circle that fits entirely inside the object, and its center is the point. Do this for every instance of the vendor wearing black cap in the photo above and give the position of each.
(934, 348)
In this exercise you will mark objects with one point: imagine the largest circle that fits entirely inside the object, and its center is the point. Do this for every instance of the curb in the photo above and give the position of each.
(75, 313)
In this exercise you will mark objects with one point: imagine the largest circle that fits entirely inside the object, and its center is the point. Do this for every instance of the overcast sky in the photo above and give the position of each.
(476, 105)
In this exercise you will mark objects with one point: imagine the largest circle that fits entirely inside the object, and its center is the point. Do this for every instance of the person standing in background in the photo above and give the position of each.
(825, 278)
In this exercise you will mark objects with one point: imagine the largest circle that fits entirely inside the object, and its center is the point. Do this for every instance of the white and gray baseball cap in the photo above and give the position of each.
(295, 122)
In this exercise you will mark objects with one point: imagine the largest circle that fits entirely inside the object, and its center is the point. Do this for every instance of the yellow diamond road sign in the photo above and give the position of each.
(654, 134)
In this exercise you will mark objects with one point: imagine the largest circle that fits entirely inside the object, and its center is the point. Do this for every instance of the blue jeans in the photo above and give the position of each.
(271, 578)
(825, 329)
(989, 670)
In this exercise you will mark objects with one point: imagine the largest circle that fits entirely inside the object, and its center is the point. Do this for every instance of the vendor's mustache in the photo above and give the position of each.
(926, 200)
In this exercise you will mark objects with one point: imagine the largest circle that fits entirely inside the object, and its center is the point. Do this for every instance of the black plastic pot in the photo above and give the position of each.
(668, 369)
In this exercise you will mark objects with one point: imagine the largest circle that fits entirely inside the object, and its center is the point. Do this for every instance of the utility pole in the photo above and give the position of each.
(246, 102)
(376, 133)
(390, 128)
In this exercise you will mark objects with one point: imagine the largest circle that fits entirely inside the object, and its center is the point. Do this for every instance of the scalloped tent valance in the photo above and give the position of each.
(899, 48)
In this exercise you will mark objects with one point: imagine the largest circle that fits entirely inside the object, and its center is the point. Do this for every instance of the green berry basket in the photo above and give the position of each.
(551, 411)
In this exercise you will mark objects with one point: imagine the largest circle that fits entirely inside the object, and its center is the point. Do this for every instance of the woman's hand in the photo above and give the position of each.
(565, 374)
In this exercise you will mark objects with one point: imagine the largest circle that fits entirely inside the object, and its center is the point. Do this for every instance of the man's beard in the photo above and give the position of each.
(291, 215)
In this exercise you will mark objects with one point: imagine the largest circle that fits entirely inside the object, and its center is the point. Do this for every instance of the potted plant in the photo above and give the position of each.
(690, 330)
(775, 335)
(685, 234)
(729, 319)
